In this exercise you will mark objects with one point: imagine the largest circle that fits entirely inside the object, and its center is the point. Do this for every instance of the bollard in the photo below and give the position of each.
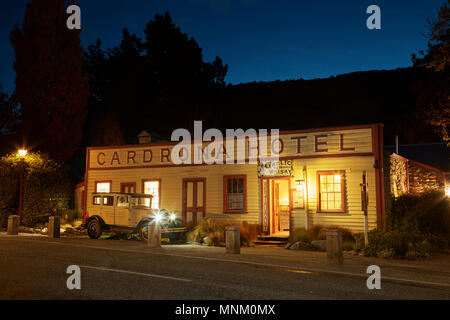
(233, 239)
(13, 225)
(334, 246)
(53, 227)
(154, 235)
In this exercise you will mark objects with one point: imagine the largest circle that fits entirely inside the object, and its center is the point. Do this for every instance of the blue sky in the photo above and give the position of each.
(259, 40)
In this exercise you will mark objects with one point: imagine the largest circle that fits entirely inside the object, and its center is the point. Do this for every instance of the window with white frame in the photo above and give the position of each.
(331, 191)
(153, 187)
(103, 186)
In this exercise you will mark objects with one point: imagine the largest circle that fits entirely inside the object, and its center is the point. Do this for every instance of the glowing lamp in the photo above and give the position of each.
(300, 185)
(173, 217)
(447, 191)
(22, 153)
(158, 217)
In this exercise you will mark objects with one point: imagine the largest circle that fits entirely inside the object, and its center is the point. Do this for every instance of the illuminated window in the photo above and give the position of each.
(331, 191)
(108, 200)
(234, 188)
(153, 187)
(97, 200)
(122, 201)
(103, 186)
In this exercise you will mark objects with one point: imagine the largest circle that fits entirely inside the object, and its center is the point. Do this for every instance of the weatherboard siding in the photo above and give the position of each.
(349, 149)
(171, 186)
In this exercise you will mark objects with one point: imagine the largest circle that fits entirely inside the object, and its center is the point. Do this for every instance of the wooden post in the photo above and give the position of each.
(233, 239)
(53, 227)
(334, 246)
(13, 225)
(154, 235)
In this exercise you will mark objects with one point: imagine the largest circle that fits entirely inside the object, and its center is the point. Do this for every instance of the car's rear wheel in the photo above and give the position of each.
(94, 229)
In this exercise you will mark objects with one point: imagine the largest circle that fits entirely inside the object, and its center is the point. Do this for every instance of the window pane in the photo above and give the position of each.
(103, 187)
(330, 192)
(152, 187)
(122, 201)
(241, 185)
(108, 200)
(235, 194)
(235, 201)
(97, 200)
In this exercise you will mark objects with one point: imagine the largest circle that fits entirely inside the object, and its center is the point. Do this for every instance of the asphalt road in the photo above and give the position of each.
(35, 268)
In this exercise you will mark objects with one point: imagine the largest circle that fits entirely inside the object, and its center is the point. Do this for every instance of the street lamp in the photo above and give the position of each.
(22, 154)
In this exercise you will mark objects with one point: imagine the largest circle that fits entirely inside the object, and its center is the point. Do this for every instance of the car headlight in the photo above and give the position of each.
(158, 217)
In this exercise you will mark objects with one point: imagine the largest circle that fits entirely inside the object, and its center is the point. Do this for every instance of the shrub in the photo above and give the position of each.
(427, 214)
(47, 188)
(400, 244)
(300, 234)
(249, 233)
(348, 245)
(318, 232)
(214, 231)
(314, 232)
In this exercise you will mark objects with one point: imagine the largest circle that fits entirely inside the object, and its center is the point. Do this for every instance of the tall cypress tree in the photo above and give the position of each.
(51, 86)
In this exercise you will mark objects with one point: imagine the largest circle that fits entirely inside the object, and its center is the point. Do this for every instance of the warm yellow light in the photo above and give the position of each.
(157, 217)
(447, 191)
(337, 178)
(300, 186)
(22, 153)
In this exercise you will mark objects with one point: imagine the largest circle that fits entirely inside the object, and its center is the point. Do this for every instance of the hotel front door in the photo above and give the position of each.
(276, 205)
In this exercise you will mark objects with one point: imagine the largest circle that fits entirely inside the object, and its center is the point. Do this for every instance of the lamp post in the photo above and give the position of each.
(22, 154)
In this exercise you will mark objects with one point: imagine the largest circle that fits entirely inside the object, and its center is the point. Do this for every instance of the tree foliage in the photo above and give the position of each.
(158, 83)
(9, 113)
(51, 86)
(437, 58)
(47, 188)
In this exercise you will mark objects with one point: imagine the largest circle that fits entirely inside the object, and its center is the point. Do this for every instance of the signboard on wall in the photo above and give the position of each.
(275, 168)
(298, 199)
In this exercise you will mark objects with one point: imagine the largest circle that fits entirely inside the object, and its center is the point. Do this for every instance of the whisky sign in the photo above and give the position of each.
(275, 168)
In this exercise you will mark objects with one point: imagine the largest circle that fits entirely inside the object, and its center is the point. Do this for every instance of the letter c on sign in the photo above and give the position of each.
(98, 158)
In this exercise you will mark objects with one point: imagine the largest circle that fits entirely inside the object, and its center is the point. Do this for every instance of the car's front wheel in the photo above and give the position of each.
(94, 229)
(143, 231)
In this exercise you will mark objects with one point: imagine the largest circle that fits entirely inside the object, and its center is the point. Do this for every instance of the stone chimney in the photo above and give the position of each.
(144, 137)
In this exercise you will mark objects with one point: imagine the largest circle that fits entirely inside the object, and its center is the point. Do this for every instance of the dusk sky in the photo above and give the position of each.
(259, 40)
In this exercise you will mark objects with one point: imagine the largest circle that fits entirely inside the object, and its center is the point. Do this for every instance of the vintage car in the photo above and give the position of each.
(126, 212)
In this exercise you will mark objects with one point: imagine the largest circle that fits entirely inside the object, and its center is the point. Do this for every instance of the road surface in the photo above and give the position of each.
(35, 268)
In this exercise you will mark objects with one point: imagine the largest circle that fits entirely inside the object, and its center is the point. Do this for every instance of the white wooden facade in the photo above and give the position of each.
(310, 156)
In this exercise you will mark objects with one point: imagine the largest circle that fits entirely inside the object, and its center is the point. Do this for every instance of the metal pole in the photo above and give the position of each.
(396, 143)
(364, 207)
(21, 190)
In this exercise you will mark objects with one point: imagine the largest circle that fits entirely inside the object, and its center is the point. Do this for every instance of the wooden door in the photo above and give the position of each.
(128, 187)
(194, 199)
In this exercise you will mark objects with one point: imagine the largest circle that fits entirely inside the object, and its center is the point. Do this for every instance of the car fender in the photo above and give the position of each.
(99, 219)
(143, 221)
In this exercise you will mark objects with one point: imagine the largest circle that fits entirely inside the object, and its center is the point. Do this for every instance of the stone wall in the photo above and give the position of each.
(422, 179)
(407, 176)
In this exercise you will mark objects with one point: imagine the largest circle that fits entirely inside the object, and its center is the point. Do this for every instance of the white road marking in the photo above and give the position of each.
(136, 273)
(244, 262)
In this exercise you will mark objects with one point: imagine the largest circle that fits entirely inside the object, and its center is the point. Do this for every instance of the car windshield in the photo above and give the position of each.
(145, 202)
